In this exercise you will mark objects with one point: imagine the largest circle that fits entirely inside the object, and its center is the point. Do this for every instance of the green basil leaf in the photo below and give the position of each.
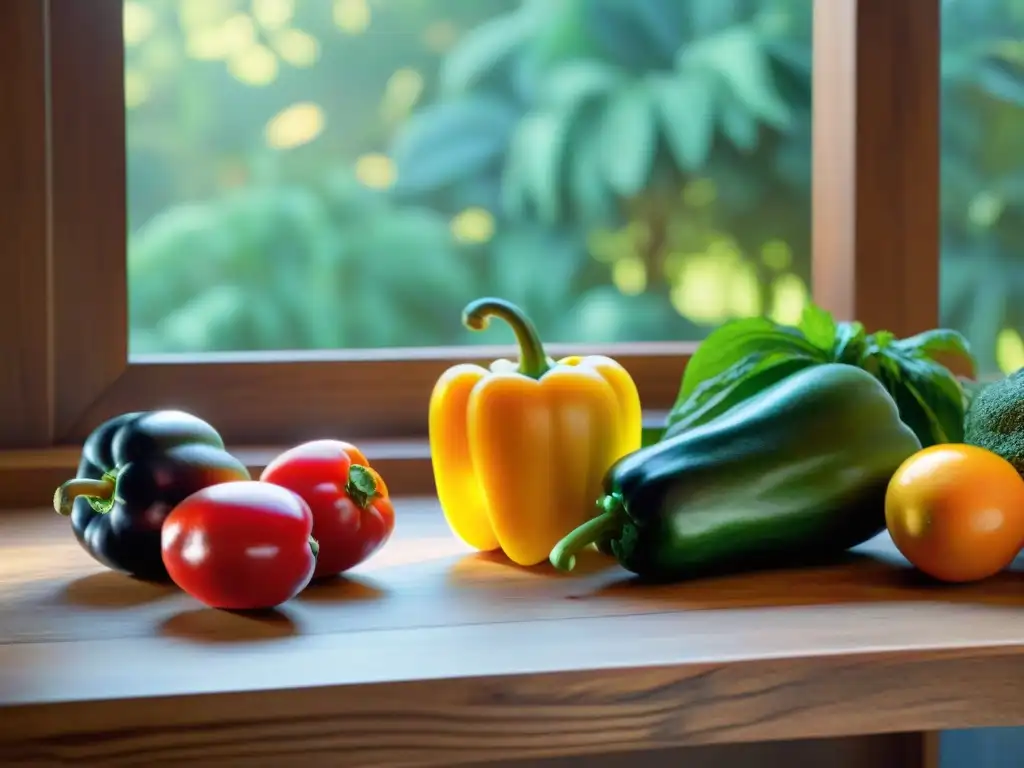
(940, 341)
(890, 365)
(733, 386)
(913, 411)
(735, 341)
(874, 362)
(818, 327)
(879, 341)
(708, 387)
(936, 434)
(940, 393)
(850, 344)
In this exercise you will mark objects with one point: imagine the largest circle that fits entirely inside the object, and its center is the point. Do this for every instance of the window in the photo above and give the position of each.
(983, 179)
(678, 231)
(347, 174)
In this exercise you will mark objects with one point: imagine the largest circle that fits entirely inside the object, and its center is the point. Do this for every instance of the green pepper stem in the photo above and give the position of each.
(64, 498)
(563, 556)
(533, 362)
(361, 485)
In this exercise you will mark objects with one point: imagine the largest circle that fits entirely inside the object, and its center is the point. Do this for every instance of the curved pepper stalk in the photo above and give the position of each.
(98, 492)
(532, 360)
(608, 522)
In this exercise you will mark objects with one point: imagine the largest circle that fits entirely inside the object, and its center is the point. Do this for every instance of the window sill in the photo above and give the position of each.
(431, 655)
(28, 478)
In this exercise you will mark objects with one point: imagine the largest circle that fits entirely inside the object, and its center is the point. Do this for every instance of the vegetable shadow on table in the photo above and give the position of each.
(341, 589)
(209, 626)
(872, 572)
(109, 590)
(485, 567)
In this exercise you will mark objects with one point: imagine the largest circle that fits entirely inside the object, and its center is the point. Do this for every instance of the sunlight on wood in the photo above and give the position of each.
(24, 565)
(399, 552)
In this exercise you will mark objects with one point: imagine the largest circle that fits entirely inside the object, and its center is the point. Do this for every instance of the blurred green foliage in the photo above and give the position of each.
(348, 173)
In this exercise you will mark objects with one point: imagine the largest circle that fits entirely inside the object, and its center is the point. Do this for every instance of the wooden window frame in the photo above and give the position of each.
(64, 328)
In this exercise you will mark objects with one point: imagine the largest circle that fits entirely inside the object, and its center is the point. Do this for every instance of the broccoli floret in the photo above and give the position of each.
(995, 419)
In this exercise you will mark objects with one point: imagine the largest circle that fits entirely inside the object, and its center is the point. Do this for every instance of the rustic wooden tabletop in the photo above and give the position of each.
(430, 654)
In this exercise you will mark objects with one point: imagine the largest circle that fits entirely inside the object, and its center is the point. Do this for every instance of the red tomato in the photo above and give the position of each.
(352, 514)
(240, 546)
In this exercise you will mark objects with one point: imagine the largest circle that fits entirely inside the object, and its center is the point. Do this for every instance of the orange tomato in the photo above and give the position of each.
(956, 512)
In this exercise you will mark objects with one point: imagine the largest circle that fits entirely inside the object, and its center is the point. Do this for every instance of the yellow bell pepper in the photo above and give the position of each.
(519, 452)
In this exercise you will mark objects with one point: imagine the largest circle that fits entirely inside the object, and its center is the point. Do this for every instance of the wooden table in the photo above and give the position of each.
(431, 655)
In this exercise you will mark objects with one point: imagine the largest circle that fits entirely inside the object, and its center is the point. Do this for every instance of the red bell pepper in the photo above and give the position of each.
(353, 516)
(240, 546)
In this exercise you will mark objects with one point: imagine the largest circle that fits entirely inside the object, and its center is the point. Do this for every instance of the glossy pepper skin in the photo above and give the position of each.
(796, 473)
(135, 469)
(519, 450)
(240, 546)
(353, 516)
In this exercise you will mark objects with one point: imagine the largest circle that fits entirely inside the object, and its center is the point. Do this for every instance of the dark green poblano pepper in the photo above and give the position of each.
(796, 473)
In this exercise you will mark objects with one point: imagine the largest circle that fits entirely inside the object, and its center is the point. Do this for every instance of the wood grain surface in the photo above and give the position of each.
(432, 655)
